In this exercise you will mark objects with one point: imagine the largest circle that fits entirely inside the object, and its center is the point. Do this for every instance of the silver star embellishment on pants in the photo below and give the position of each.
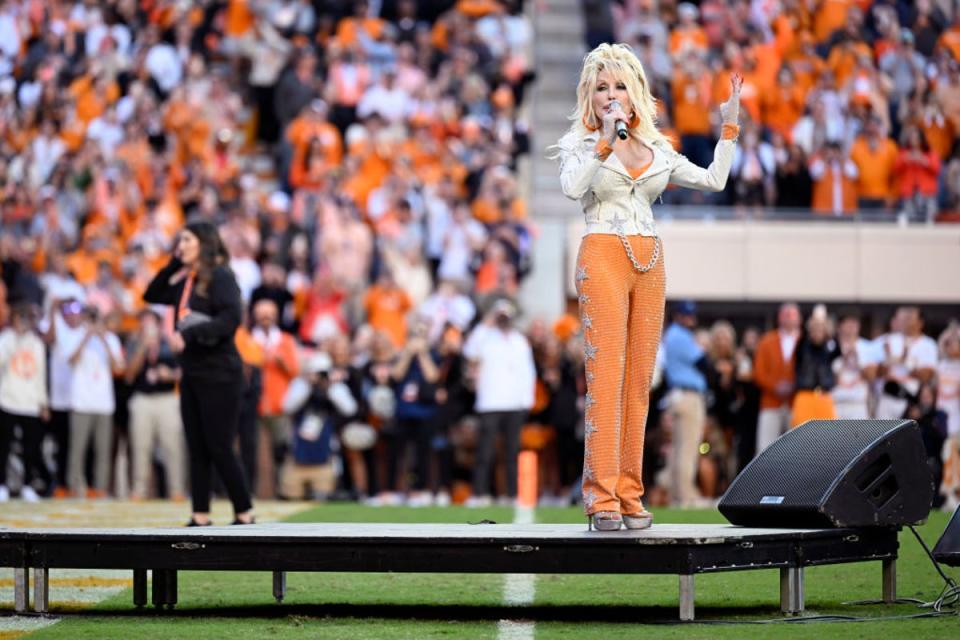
(582, 274)
(588, 402)
(617, 223)
(587, 322)
(588, 429)
(589, 377)
(584, 299)
(588, 472)
(589, 499)
(589, 352)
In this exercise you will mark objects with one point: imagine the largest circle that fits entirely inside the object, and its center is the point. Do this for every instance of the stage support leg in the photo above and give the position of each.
(686, 598)
(791, 590)
(41, 590)
(890, 581)
(279, 585)
(140, 588)
(164, 588)
(21, 590)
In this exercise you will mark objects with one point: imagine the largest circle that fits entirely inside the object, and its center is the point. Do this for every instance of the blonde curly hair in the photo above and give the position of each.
(623, 64)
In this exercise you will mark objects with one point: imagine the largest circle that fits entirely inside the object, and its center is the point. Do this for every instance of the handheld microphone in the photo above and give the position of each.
(621, 127)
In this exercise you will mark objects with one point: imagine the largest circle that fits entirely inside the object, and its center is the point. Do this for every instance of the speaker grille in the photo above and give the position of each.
(809, 458)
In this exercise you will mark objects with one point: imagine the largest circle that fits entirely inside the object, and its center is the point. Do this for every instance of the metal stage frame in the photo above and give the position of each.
(681, 549)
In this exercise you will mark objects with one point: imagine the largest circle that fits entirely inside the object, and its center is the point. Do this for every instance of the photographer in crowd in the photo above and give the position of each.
(96, 356)
(505, 375)
(155, 422)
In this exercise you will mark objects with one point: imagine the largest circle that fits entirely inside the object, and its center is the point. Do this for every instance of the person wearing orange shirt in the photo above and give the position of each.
(844, 57)
(875, 156)
(687, 34)
(783, 105)
(350, 28)
(834, 181)
(386, 305)
(929, 116)
(83, 262)
(239, 18)
(347, 79)
(312, 124)
(950, 39)
(918, 169)
(774, 374)
(251, 354)
(828, 16)
(691, 113)
(280, 367)
(805, 64)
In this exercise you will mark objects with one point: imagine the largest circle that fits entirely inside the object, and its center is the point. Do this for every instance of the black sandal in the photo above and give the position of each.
(253, 520)
(194, 523)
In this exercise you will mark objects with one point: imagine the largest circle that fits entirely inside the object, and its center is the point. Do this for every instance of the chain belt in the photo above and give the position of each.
(633, 259)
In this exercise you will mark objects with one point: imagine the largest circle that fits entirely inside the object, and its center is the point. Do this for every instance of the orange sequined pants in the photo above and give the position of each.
(621, 311)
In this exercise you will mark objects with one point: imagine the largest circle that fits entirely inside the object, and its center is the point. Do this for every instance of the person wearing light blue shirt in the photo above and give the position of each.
(685, 364)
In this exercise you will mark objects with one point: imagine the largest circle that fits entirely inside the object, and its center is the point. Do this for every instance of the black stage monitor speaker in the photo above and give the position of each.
(835, 473)
(947, 550)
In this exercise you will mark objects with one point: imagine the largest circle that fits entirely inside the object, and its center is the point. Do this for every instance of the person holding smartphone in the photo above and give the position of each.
(154, 406)
(198, 283)
(95, 357)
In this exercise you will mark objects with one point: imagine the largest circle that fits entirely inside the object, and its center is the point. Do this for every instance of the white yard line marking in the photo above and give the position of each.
(519, 589)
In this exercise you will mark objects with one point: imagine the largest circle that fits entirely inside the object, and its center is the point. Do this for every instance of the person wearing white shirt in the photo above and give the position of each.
(23, 399)
(106, 131)
(438, 211)
(909, 360)
(948, 401)
(386, 99)
(505, 377)
(447, 306)
(816, 129)
(855, 367)
(47, 149)
(62, 327)
(464, 237)
(163, 62)
(95, 358)
(10, 40)
(504, 33)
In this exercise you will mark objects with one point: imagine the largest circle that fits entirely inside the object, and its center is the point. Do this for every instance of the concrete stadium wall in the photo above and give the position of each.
(804, 261)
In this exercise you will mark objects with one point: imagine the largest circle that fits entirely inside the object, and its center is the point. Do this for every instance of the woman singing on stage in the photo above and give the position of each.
(199, 284)
(616, 163)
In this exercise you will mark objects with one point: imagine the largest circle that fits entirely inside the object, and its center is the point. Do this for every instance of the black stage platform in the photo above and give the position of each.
(684, 550)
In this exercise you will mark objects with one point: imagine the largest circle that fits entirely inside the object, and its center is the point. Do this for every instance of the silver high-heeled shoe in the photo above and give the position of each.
(642, 520)
(604, 521)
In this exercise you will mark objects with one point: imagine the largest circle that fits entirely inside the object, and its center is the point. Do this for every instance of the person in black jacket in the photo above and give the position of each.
(814, 379)
(200, 286)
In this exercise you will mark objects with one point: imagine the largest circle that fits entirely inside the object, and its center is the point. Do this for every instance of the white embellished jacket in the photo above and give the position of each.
(612, 201)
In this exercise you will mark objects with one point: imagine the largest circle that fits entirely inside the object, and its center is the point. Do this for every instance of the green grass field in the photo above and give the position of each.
(381, 606)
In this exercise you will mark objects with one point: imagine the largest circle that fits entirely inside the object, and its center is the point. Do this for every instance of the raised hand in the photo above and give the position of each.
(730, 110)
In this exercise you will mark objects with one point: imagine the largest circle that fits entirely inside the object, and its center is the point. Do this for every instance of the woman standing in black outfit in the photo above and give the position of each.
(200, 286)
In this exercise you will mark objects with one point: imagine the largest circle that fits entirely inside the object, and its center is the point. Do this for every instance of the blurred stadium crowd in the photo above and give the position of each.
(849, 105)
(361, 161)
